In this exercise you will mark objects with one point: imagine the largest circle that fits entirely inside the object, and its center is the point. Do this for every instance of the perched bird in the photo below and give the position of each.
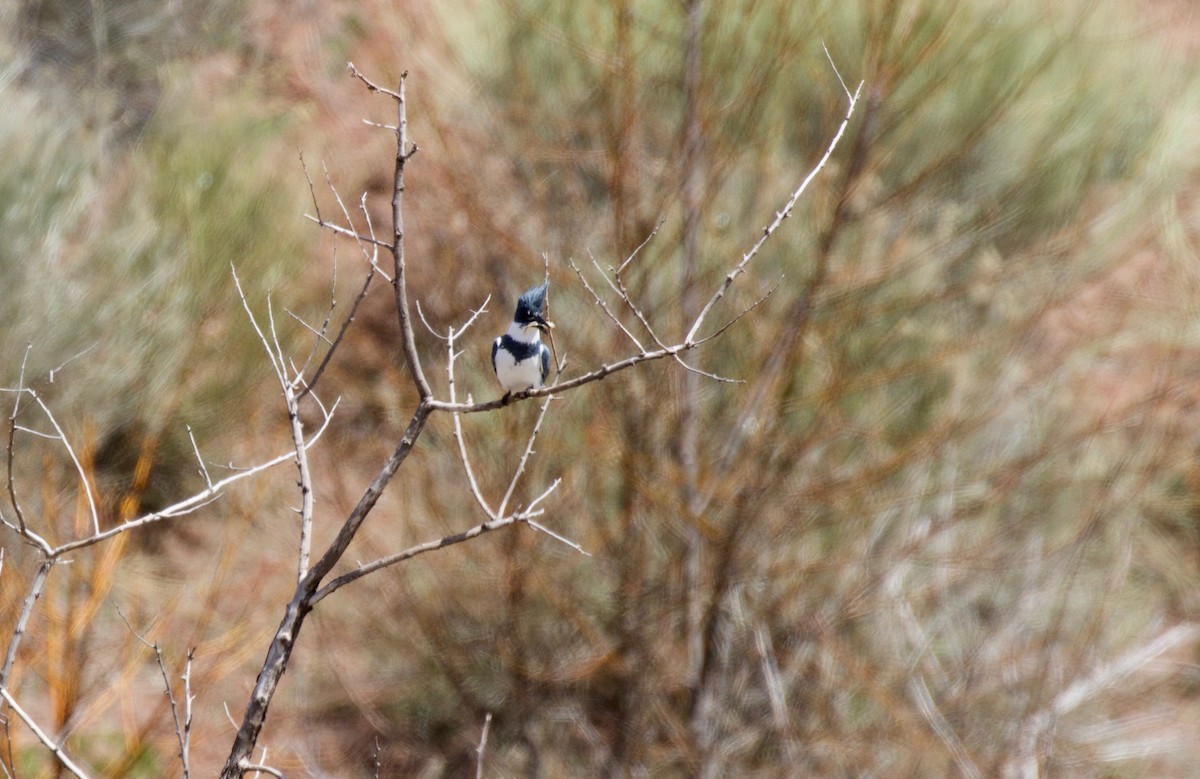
(519, 358)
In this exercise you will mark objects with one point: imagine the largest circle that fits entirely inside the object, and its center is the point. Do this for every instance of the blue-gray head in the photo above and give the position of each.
(530, 306)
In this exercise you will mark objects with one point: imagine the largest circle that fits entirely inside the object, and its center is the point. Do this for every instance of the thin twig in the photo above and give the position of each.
(836, 73)
(47, 741)
(637, 250)
(512, 485)
(68, 361)
(337, 228)
(563, 539)
(740, 314)
(87, 485)
(617, 284)
(194, 502)
(320, 334)
(706, 374)
(362, 293)
(311, 189)
(424, 321)
(487, 724)
(186, 742)
(182, 727)
(603, 305)
(371, 85)
(419, 549)
(370, 239)
(774, 225)
(412, 357)
(587, 378)
(472, 482)
(279, 356)
(278, 367)
(199, 459)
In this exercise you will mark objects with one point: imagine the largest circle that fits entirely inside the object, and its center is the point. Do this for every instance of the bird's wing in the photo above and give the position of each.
(545, 363)
(495, 348)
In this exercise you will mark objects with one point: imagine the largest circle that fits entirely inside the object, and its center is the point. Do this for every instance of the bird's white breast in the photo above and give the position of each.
(517, 376)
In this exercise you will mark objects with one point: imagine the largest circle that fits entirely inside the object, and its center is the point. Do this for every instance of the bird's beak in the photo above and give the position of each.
(543, 324)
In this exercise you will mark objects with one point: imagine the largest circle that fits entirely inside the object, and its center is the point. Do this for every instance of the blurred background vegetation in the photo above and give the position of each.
(929, 535)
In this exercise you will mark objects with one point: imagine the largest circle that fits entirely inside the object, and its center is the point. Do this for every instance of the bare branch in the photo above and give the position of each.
(14, 642)
(472, 482)
(512, 485)
(87, 485)
(419, 549)
(192, 503)
(41, 735)
(637, 250)
(371, 240)
(311, 189)
(278, 367)
(600, 302)
(557, 537)
(740, 314)
(706, 374)
(261, 768)
(306, 490)
(12, 432)
(487, 724)
(362, 293)
(320, 334)
(380, 125)
(185, 741)
(617, 284)
(371, 85)
(836, 73)
(587, 378)
(283, 361)
(199, 459)
(337, 228)
(182, 728)
(399, 278)
(68, 361)
(774, 225)
(424, 321)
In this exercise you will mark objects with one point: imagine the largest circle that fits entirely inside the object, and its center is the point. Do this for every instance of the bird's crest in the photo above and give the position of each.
(531, 304)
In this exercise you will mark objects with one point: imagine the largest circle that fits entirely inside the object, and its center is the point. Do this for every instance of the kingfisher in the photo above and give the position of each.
(519, 358)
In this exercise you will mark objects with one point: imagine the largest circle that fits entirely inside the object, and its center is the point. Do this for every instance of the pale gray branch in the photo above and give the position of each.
(774, 225)
(41, 735)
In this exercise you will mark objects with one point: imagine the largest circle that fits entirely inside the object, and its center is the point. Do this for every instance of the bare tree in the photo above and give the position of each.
(314, 584)
(316, 579)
